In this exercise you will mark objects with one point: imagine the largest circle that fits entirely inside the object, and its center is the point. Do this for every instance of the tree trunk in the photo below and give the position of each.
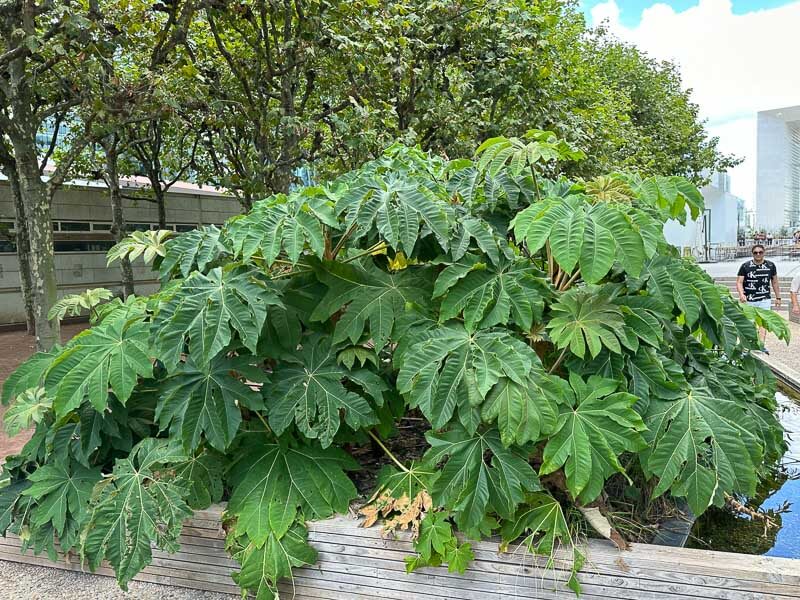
(162, 210)
(23, 250)
(37, 202)
(117, 216)
(9, 169)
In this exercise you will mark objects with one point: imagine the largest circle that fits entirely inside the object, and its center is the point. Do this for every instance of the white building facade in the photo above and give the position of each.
(719, 223)
(82, 235)
(778, 169)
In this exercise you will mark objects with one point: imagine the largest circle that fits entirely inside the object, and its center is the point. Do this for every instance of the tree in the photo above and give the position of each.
(555, 345)
(326, 87)
(52, 61)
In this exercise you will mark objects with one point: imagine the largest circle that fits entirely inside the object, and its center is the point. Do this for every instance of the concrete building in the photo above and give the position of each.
(718, 225)
(778, 169)
(81, 231)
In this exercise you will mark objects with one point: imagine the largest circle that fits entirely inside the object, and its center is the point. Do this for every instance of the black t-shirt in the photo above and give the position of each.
(757, 279)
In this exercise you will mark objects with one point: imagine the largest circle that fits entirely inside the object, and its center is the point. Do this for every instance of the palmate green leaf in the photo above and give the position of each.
(138, 504)
(61, 491)
(595, 426)
(480, 476)
(209, 310)
(10, 496)
(649, 378)
(447, 368)
(204, 401)
(524, 413)
(149, 243)
(489, 295)
(109, 356)
(284, 225)
(542, 518)
(438, 544)
(262, 566)
(402, 208)
(75, 304)
(29, 408)
(191, 251)
(374, 299)
(271, 482)
(567, 236)
(468, 227)
(308, 390)
(201, 475)
(585, 318)
(699, 446)
(29, 374)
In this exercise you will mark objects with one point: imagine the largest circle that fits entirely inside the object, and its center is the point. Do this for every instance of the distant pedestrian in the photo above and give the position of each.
(794, 292)
(753, 283)
(769, 239)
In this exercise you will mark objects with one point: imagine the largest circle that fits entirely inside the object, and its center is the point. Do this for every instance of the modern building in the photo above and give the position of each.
(778, 169)
(719, 223)
(81, 230)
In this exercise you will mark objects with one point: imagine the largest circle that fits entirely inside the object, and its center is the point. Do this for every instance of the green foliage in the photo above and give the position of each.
(75, 304)
(147, 244)
(543, 332)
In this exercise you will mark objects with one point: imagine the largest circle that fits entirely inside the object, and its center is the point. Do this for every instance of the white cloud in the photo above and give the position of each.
(735, 65)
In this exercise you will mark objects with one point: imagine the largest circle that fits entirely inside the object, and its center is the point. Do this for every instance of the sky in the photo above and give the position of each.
(737, 56)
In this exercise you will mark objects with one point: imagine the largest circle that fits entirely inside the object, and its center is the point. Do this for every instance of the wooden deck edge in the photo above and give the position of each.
(359, 563)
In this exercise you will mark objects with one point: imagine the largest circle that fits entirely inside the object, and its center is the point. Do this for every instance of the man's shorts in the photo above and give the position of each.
(766, 303)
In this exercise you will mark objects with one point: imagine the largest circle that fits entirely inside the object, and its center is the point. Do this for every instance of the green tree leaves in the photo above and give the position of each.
(490, 294)
(449, 370)
(205, 402)
(699, 447)
(480, 476)
(209, 310)
(584, 318)
(595, 426)
(111, 356)
(137, 504)
(309, 391)
(374, 299)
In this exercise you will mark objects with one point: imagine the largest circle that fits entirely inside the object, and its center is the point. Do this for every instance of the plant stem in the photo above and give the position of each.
(549, 260)
(571, 280)
(290, 273)
(263, 420)
(371, 250)
(536, 185)
(387, 451)
(341, 242)
(558, 361)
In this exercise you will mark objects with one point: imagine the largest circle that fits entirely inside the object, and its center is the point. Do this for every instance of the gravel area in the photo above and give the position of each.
(28, 582)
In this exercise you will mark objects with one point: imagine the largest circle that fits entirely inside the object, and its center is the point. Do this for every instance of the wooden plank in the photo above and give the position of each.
(358, 564)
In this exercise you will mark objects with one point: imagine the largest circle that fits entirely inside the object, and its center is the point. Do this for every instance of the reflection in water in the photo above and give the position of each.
(721, 530)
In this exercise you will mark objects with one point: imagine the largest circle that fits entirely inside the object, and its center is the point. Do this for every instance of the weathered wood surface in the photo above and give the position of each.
(358, 564)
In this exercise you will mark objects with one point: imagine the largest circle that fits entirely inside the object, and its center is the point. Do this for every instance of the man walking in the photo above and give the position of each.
(753, 281)
(794, 294)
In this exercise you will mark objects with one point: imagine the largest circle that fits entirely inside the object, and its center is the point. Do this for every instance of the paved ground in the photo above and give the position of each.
(15, 347)
(786, 268)
(787, 358)
(27, 582)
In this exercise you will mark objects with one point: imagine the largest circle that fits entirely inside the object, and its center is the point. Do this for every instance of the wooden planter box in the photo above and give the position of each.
(357, 564)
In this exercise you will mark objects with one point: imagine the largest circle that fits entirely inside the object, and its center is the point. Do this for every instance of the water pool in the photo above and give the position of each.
(720, 530)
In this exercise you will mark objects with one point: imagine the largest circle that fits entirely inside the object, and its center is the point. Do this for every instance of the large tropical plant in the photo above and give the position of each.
(550, 339)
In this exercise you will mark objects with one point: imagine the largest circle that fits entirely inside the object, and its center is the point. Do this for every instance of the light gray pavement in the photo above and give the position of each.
(786, 267)
(786, 358)
(28, 582)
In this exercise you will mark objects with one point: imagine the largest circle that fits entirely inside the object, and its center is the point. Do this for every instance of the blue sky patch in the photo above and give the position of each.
(630, 11)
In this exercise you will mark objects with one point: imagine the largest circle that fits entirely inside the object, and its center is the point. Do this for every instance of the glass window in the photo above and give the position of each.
(183, 227)
(75, 226)
(138, 227)
(55, 226)
(6, 246)
(101, 226)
